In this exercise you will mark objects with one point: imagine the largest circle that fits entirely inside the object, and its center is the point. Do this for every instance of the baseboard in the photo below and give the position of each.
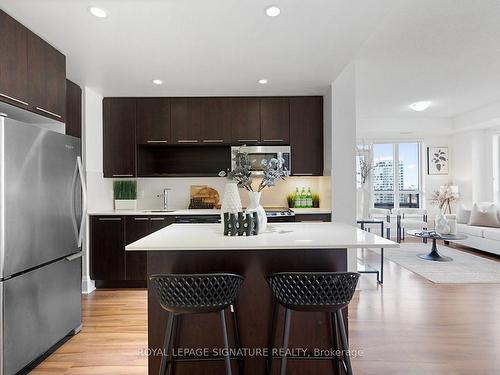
(88, 285)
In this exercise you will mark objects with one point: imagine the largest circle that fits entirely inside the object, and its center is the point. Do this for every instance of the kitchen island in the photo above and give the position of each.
(202, 248)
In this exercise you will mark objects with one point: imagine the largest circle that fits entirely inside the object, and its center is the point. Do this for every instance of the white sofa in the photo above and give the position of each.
(478, 237)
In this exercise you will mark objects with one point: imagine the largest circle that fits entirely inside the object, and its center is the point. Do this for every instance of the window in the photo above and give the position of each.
(396, 175)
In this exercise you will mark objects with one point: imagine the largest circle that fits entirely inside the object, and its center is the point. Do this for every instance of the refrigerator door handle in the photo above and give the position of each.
(84, 200)
(73, 192)
(74, 256)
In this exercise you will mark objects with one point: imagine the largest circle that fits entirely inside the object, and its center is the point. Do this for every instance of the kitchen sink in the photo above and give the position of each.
(160, 210)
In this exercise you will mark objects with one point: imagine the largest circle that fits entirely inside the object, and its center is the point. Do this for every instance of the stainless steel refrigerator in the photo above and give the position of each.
(41, 233)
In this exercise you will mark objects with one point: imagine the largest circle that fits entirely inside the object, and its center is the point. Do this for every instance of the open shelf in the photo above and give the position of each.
(174, 161)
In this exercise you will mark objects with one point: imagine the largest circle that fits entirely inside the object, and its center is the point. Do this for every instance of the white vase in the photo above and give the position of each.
(231, 201)
(441, 224)
(125, 204)
(254, 206)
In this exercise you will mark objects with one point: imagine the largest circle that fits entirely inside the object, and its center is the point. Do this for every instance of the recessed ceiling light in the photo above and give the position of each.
(98, 12)
(273, 11)
(262, 81)
(157, 81)
(420, 106)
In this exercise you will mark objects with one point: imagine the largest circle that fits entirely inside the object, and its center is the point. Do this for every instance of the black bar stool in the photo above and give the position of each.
(194, 294)
(313, 292)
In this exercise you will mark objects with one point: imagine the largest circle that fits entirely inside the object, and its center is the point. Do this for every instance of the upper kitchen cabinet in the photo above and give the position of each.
(13, 61)
(275, 120)
(153, 121)
(306, 135)
(73, 109)
(185, 117)
(245, 120)
(47, 78)
(215, 121)
(119, 146)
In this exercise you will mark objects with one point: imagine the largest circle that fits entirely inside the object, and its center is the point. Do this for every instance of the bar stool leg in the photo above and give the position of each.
(286, 337)
(165, 361)
(237, 342)
(336, 347)
(227, 360)
(175, 335)
(269, 361)
(343, 338)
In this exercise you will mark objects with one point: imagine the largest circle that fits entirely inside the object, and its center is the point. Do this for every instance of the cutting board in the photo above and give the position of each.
(205, 194)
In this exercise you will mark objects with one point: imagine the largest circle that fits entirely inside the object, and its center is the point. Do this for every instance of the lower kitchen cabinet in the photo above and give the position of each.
(107, 248)
(110, 264)
(137, 227)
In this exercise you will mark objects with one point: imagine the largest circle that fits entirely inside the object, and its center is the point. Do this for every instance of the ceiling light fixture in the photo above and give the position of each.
(262, 81)
(157, 81)
(98, 12)
(273, 11)
(420, 106)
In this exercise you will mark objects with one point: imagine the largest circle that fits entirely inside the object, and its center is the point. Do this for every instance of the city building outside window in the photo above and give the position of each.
(397, 175)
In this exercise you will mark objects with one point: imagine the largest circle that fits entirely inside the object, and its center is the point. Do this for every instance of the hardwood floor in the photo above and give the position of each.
(407, 326)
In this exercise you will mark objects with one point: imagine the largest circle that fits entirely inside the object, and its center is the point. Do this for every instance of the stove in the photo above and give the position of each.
(279, 214)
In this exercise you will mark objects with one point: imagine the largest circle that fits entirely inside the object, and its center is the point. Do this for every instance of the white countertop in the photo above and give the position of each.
(183, 212)
(277, 236)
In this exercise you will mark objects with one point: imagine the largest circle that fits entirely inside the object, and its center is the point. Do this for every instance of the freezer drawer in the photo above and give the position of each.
(39, 308)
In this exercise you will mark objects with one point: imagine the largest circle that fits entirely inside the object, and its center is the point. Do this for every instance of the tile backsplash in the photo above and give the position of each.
(150, 191)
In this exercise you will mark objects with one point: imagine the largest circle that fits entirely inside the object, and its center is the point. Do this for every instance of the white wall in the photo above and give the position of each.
(342, 137)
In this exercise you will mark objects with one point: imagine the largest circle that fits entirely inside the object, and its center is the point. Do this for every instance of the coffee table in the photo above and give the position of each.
(434, 254)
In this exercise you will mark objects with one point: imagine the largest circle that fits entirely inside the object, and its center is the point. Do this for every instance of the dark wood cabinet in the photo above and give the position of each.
(306, 135)
(47, 78)
(107, 248)
(215, 121)
(13, 61)
(275, 120)
(73, 109)
(109, 262)
(135, 228)
(119, 146)
(245, 120)
(32, 72)
(153, 121)
(185, 117)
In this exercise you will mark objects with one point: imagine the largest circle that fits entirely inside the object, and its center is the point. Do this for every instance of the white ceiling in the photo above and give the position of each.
(447, 51)
(203, 47)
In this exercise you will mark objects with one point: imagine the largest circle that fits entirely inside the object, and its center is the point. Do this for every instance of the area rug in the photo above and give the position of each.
(464, 269)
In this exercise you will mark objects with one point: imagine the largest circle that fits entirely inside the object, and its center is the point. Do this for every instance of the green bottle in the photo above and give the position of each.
(297, 198)
(309, 198)
(303, 198)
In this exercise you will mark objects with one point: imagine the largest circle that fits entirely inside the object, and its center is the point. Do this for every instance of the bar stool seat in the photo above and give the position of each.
(313, 292)
(196, 294)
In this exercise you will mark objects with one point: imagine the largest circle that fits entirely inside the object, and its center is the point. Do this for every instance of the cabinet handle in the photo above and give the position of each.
(187, 141)
(213, 140)
(158, 218)
(48, 112)
(273, 140)
(123, 175)
(157, 141)
(141, 218)
(13, 99)
(248, 140)
(110, 219)
(302, 174)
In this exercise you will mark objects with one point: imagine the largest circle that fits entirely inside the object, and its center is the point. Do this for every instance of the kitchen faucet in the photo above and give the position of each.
(165, 198)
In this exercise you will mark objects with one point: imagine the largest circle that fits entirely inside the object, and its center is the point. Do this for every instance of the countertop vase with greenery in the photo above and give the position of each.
(125, 193)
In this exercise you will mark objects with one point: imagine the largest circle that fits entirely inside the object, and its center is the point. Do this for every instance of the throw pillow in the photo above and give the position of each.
(463, 214)
(484, 216)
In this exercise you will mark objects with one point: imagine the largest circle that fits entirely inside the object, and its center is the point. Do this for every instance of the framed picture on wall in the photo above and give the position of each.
(437, 160)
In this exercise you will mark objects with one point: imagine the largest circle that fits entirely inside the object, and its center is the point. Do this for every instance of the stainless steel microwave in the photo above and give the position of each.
(259, 153)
